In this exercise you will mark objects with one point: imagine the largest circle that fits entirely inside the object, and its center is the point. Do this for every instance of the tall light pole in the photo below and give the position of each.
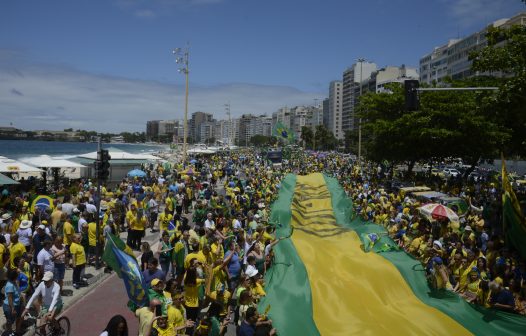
(361, 60)
(181, 57)
(227, 109)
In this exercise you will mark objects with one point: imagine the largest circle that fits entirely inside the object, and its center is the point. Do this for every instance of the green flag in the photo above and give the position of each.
(282, 132)
(109, 257)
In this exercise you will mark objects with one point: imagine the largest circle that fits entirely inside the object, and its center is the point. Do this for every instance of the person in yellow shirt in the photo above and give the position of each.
(222, 295)
(179, 321)
(191, 295)
(78, 256)
(69, 231)
(16, 249)
(169, 204)
(4, 257)
(164, 220)
(137, 223)
(92, 240)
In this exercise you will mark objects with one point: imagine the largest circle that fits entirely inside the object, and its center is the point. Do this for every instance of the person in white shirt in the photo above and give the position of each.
(45, 258)
(153, 210)
(90, 207)
(25, 234)
(49, 291)
(82, 221)
(209, 222)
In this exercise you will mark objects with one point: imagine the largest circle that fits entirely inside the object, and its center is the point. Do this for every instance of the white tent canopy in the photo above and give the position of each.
(13, 166)
(200, 151)
(117, 154)
(46, 161)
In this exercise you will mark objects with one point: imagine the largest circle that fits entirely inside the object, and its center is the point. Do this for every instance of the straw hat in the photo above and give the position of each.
(25, 224)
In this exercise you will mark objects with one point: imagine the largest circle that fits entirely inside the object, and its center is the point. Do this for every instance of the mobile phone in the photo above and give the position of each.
(158, 310)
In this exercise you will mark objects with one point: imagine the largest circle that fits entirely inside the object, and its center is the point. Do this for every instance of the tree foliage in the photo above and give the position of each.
(505, 55)
(448, 124)
(262, 140)
(307, 136)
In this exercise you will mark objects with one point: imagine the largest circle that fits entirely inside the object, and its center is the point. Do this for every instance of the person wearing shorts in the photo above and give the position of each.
(12, 305)
(49, 291)
(59, 252)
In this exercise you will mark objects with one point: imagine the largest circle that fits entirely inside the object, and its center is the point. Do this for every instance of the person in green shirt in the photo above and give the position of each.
(217, 328)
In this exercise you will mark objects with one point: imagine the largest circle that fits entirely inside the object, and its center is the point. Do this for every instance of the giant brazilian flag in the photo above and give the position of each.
(324, 283)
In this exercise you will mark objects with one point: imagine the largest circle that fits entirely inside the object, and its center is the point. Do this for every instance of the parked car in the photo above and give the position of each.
(451, 172)
(437, 172)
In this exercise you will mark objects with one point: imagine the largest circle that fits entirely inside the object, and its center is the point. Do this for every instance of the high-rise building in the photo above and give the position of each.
(326, 111)
(452, 58)
(334, 122)
(391, 74)
(206, 132)
(354, 75)
(195, 125)
(152, 129)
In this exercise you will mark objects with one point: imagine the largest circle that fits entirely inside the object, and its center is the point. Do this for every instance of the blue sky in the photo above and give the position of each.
(68, 63)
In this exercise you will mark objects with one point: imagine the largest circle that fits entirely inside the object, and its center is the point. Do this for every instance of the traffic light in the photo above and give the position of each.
(102, 164)
(411, 94)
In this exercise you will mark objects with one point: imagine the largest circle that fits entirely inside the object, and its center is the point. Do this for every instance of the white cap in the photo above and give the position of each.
(251, 271)
(47, 276)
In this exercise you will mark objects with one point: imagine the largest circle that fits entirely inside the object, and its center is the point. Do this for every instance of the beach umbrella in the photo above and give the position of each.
(4, 180)
(438, 211)
(193, 161)
(136, 173)
(43, 202)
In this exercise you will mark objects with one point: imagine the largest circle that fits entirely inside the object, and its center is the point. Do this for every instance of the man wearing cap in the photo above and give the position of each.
(49, 292)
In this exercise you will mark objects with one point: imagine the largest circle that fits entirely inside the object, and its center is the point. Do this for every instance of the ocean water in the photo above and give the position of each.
(17, 149)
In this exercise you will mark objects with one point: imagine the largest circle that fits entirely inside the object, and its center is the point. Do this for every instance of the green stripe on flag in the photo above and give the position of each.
(287, 284)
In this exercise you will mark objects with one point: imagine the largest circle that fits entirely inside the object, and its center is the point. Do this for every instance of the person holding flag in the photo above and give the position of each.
(164, 219)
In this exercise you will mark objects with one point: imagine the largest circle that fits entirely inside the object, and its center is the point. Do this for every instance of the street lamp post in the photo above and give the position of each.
(181, 57)
(361, 60)
(227, 109)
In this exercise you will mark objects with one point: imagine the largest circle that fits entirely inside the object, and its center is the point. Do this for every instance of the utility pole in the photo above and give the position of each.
(182, 57)
(227, 109)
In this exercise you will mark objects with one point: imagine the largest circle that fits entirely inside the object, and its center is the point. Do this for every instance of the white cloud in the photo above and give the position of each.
(54, 97)
(148, 9)
(468, 13)
(145, 13)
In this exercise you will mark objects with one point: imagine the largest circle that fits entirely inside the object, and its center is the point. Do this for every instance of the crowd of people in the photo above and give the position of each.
(205, 273)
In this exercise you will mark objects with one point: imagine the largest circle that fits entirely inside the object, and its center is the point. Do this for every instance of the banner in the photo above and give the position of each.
(513, 220)
(127, 269)
(323, 282)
